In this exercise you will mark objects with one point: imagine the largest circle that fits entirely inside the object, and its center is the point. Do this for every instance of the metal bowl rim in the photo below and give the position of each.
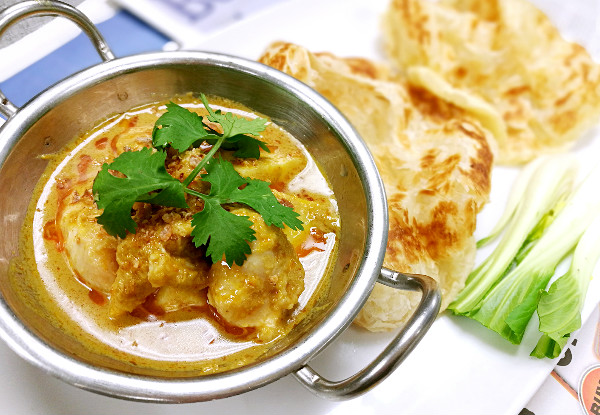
(136, 387)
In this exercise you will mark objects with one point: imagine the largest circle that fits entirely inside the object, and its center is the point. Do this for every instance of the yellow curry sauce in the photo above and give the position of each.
(180, 311)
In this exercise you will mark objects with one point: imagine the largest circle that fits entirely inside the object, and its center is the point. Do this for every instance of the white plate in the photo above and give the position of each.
(459, 368)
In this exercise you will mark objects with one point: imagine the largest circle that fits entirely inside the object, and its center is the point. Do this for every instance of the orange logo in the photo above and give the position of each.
(589, 391)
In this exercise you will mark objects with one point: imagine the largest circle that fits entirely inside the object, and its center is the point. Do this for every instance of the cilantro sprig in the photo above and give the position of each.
(141, 176)
(146, 180)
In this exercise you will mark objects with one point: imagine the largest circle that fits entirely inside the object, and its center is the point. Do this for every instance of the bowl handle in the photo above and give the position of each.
(49, 8)
(394, 353)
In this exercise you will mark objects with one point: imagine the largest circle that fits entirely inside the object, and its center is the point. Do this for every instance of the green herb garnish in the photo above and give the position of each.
(147, 180)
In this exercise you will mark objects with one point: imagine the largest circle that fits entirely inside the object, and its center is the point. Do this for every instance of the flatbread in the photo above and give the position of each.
(435, 160)
(542, 92)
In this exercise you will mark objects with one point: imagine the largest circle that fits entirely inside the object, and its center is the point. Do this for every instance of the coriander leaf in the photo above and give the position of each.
(116, 217)
(225, 233)
(181, 128)
(146, 180)
(259, 197)
(233, 137)
(227, 186)
(223, 179)
(234, 125)
(244, 146)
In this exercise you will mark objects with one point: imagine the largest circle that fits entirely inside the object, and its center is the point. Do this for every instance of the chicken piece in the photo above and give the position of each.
(131, 286)
(170, 298)
(158, 256)
(263, 292)
(91, 251)
(316, 212)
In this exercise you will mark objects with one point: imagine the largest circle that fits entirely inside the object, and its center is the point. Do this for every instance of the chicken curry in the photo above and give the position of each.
(155, 297)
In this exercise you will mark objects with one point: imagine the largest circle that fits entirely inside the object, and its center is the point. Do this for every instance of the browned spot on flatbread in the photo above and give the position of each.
(363, 67)
(405, 243)
(481, 165)
(437, 233)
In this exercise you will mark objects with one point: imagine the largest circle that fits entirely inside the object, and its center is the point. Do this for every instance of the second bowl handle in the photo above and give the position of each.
(26, 9)
(394, 353)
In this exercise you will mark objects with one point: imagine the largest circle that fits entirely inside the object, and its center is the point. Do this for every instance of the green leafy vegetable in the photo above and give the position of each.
(540, 187)
(515, 199)
(508, 295)
(559, 308)
(146, 180)
(546, 347)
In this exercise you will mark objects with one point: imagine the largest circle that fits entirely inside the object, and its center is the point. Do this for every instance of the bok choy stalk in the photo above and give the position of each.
(559, 308)
(510, 304)
(537, 190)
(515, 200)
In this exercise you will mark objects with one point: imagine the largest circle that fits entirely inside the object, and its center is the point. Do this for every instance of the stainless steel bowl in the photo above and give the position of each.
(63, 111)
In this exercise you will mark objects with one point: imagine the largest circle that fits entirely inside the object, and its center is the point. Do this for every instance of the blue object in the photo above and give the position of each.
(125, 35)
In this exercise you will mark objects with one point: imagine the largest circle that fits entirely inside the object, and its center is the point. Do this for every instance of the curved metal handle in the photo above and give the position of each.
(395, 353)
(25, 9)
